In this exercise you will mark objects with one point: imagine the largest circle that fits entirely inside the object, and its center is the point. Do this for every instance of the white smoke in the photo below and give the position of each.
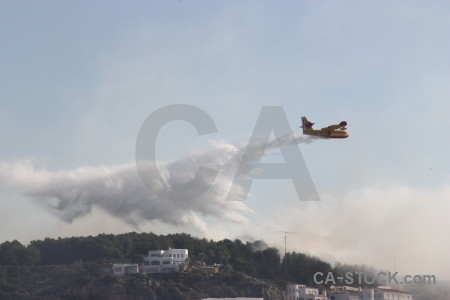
(120, 192)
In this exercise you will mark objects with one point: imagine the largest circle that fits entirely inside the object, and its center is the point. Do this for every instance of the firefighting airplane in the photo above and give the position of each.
(332, 131)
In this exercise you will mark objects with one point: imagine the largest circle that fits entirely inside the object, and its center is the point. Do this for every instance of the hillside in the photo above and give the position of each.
(80, 268)
(255, 259)
(89, 281)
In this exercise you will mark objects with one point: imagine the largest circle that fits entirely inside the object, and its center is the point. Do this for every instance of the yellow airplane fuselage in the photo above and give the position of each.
(327, 133)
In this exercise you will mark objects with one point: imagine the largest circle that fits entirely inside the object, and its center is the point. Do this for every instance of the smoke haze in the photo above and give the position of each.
(119, 191)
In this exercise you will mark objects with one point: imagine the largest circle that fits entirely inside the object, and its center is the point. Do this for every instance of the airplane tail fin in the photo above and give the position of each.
(306, 124)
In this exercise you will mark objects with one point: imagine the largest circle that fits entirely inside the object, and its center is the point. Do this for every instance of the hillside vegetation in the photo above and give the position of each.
(79, 268)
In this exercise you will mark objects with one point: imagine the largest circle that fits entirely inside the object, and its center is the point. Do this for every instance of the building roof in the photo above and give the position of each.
(392, 290)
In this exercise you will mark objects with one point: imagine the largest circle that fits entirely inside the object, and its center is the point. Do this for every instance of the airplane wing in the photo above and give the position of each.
(331, 127)
(335, 127)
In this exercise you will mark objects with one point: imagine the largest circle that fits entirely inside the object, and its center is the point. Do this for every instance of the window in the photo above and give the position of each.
(155, 263)
(166, 262)
(146, 263)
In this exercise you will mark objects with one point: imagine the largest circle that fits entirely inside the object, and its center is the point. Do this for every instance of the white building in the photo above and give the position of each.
(122, 269)
(303, 292)
(160, 261)
(345, 293)
(350, 295)
(386, 293)
(378, 293)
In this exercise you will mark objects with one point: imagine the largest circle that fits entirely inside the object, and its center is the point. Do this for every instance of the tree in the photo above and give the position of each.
(12, 253)
(33, 255)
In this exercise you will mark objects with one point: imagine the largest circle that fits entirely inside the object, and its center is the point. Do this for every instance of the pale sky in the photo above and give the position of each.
(78, 79)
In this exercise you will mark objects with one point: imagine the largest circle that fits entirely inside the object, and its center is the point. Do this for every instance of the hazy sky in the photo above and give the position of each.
(78, 79)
